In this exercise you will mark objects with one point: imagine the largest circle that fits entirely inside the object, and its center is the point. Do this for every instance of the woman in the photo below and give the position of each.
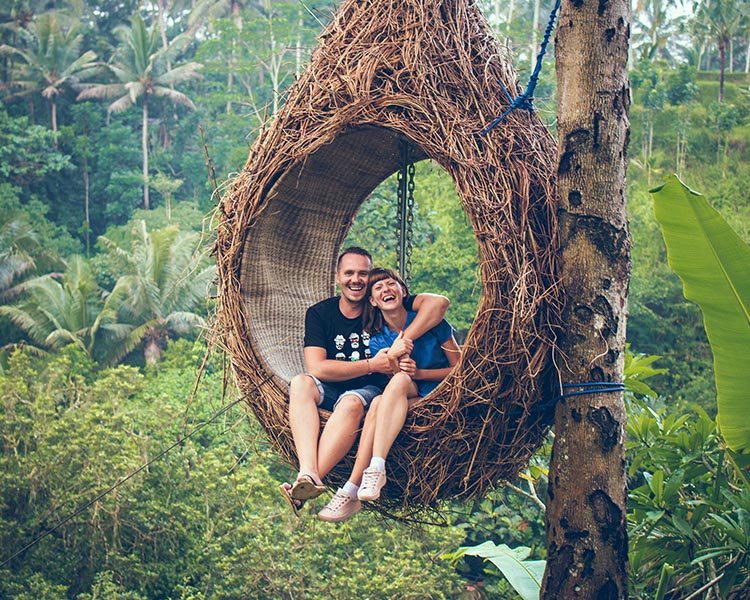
(418, 368)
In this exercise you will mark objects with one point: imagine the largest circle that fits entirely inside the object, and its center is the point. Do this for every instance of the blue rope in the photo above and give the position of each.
(592, 387)
(589, 387)
(525, 100)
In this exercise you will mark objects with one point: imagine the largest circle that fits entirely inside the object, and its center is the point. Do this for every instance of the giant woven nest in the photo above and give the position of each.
(428, 72)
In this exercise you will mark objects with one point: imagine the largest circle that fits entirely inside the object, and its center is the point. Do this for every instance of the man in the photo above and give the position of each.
(343, 377)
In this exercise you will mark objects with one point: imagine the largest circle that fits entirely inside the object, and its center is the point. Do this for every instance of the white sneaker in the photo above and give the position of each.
(341, 507)
(372, 482)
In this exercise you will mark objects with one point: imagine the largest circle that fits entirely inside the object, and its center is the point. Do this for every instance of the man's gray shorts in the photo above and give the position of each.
(331, 394)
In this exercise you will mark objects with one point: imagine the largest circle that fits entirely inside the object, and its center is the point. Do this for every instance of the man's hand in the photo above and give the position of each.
(380, 363)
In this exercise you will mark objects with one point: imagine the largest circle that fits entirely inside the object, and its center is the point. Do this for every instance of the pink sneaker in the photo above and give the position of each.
(341, 507)
(372, 482)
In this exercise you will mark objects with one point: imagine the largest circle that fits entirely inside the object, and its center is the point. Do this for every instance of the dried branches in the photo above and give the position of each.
(429, 72)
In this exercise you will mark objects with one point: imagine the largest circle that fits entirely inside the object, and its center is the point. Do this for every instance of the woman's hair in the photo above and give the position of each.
(372, 318)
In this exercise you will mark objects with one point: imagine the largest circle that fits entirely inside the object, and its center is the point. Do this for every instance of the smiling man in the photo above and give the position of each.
(343, 376)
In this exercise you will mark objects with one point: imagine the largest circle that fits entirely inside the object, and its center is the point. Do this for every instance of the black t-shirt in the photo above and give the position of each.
(343, 338)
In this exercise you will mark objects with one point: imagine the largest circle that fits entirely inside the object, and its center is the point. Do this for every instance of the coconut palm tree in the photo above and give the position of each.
(51, 61)
(18, 242)
(165, 280)
(69, 308)
(142, 73)
(718, 21)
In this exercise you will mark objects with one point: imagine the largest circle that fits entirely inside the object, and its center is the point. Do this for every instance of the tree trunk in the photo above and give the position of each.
(587, 546)
(163, 31)
(298, 50)
(54, 123)
(534, 34)
(236, 16)
(86, 199)
(144, 150)
(722, 67)
(152, 351)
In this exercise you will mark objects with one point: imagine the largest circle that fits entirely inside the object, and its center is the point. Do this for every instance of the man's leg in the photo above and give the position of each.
(339, 433)
(338, 437)
(304, 421)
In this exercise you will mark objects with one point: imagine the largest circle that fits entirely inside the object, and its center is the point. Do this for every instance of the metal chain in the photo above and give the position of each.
(400, 209)
(409, 224)
(405, 213)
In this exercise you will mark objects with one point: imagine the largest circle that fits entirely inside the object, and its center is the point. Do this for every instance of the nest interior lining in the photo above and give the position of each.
(313, 206)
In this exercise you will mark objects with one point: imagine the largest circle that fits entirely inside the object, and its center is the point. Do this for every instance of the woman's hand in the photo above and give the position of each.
(401, 346)
(407, 365)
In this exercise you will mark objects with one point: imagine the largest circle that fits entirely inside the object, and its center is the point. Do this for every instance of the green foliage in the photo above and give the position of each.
(26, 151)
(714, 265)
(55, 311)
(109, 161)
(50, 60)
(687, 506)
(661, 321)
(194, 526)
(203, 521)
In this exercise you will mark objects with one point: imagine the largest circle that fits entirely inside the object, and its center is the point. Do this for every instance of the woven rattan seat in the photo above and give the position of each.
(429, 72)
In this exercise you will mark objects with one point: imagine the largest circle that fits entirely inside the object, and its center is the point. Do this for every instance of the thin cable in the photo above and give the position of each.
(119, 483)
(312, 14)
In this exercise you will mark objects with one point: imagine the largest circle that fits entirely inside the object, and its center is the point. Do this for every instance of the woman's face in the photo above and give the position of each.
(387, 294)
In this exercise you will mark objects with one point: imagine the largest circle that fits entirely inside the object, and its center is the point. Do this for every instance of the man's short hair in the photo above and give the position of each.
(353, 250)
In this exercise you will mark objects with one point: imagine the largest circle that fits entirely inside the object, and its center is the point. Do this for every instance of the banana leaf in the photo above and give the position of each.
(524, 575)
(713, 263)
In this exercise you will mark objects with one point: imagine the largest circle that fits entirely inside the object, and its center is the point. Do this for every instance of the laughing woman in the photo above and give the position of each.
(418, 368)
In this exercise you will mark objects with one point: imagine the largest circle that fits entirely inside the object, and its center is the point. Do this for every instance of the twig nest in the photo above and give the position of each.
(429, 72)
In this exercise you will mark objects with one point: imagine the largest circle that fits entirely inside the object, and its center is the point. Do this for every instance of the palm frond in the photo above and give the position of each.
(180, 74)
(99, 91)
(184, 323)
(121, 104)
(174, 96)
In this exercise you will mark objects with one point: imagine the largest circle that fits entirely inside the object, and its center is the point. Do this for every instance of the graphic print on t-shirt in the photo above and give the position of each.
(355, 347)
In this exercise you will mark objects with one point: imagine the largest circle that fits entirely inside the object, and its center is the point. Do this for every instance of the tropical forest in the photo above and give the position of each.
(130, 465)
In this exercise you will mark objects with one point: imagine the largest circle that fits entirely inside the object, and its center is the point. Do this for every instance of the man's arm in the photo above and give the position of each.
(430, 309)
(452, 353)
(326, 369)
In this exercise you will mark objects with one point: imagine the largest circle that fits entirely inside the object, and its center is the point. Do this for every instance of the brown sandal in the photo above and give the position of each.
(305, 488)
(294, 503)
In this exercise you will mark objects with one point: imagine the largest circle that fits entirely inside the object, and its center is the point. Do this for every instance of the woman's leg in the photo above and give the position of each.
(345, 502)
(390, 419)
(366, 438)
(391, 414)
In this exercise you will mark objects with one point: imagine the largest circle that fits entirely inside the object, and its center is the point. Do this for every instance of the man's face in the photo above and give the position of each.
(352, 276)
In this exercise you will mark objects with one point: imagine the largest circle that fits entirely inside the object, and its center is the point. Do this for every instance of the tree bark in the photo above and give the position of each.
(587, 546)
